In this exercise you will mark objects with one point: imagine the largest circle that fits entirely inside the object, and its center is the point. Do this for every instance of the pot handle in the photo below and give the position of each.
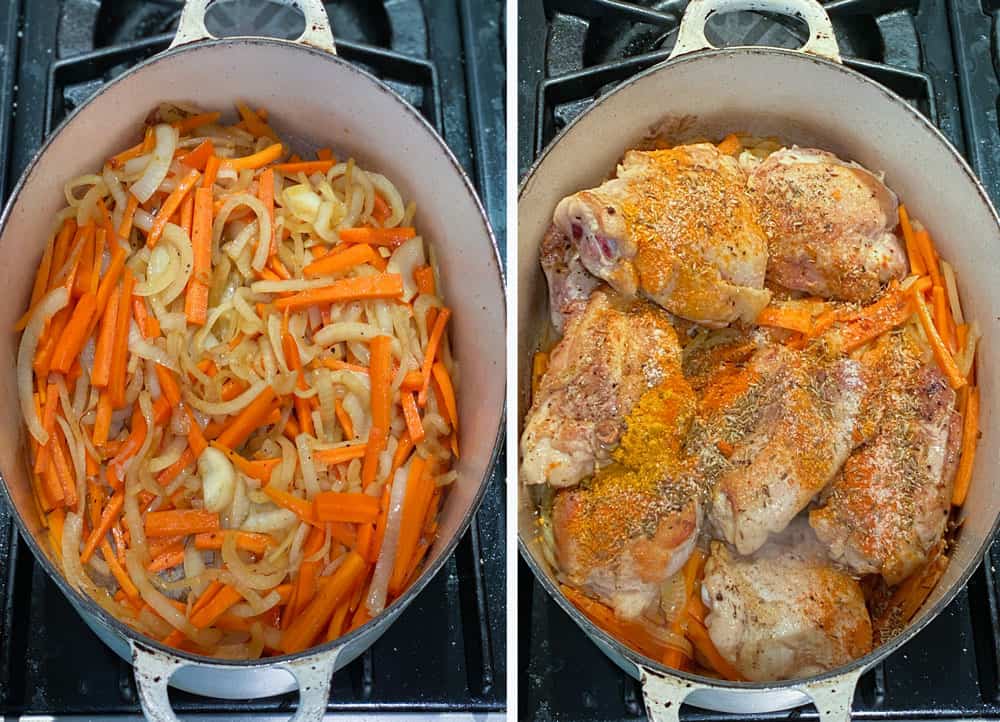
(153, 669)
(664, 695)
(821, 42)
(191, 27)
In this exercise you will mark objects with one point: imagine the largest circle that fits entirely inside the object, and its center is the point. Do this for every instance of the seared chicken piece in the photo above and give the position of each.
(678, 227)
(785, 422)
(787, 612)
(888, 508)
(829, 225)
(620, 535)
(570, 284)
(612, 352)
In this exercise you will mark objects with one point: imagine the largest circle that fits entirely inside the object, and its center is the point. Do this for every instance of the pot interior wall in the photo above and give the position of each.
(809, 102)
(314, 101)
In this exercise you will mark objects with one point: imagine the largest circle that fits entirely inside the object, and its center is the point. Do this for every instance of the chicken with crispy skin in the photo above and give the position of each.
(678, 227)
(612, 352)
(889, 507)
(829, 225)
(620, 535)
(771, 435)
(786, 612)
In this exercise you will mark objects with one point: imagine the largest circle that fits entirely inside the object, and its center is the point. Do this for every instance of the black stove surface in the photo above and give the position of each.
(446, 653)
(941, 56)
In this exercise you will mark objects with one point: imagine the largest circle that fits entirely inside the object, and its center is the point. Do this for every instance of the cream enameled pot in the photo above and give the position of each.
(808, 97)
(314, 99)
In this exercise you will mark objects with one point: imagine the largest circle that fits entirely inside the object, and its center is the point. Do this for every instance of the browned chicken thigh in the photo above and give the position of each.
(771, 435)
(678, 227)
(786, 612)
(612, 352)
(620, 535)
(888, 508)
(829, 225)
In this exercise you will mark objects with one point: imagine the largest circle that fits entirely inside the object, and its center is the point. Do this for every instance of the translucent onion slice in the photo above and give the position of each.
(162, 605)
(159, 163)
(249, 575)
(387, 556)
(51, 303)
(404, 261)
(270, 520)
(225, 408)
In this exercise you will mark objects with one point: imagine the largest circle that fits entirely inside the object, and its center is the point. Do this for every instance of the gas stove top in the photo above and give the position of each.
(445, 655)
(943, 58)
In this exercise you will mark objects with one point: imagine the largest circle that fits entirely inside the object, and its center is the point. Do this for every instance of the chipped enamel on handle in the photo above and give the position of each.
(154, 668)
(191, 27)
(663, 695)
(821, 42)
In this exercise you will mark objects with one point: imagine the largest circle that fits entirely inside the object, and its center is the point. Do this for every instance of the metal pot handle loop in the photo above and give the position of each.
(821, 42)
(191, 27)
(833, 697)
(663, 696)
(154, 668)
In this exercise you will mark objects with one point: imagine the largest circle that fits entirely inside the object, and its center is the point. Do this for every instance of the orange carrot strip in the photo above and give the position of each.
(917, 265)
(927, 250)
(730, 145)
(308, 167)
(254, 124)
(941, 353)
(193, 122)
(118, 571)
(377, 236)
(943, 320)
(431, 352)
(75, 334)
(81, 284)
(412, 416)
(134, 152)
(443, 380)
(218, 605)
(419, 489)
(424, 278)
(311, 622)
(340, 454)
(48, 417)
(303, 410)
(167, 560)
(100, 241)
(109, 516)
(340, 261)
(206, 596)
(383, 285)
(248, 420)
(180, 522)
(119, 357)
(344, 418)
(381, 211)
(245, 540)
(52, 484)
(698, 635)
(324, 154)
(338, 365)
(198, 157)
(196, 300)
(793, 319)
(894, 308)
(341, 506)
(59, 458)
(301, 507)
(336, 626)
(170, 206)
(128, 216)
(257, 160)
(110, 280)
(970, 437)
(381, 404)
(265, 191)
(102, 421)
(259, 469)
(211, 171)
(308, 571)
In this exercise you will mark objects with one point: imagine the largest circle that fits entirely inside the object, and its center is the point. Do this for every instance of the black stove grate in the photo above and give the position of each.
(446, 654)
(572, 51)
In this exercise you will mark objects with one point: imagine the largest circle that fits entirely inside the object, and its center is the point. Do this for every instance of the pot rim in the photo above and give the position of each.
(84, 601)
(886, 649)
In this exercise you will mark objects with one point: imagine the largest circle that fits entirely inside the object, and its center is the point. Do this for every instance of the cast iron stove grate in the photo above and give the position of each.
(571, 51)
(446, 653)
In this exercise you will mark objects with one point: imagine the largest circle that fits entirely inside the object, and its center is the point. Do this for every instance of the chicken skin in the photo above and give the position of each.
(829, 225)
(678, 227)
(771, 435)
(888, 508)
(570, 284)
(613, 351)
(620, 535)
(786, 612)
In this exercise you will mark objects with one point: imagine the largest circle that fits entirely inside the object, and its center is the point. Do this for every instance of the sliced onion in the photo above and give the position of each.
(51, 303)
(295, 284)
(142, 348)
(263, 223)
(309, 478)
(248, 575)
(194, 566)
(404, 261)
(268, 521)
(159, 163)
(225, 408)
(392, 198)
(387, 556)
(179, 240)
(160, 271)
(162, 605)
